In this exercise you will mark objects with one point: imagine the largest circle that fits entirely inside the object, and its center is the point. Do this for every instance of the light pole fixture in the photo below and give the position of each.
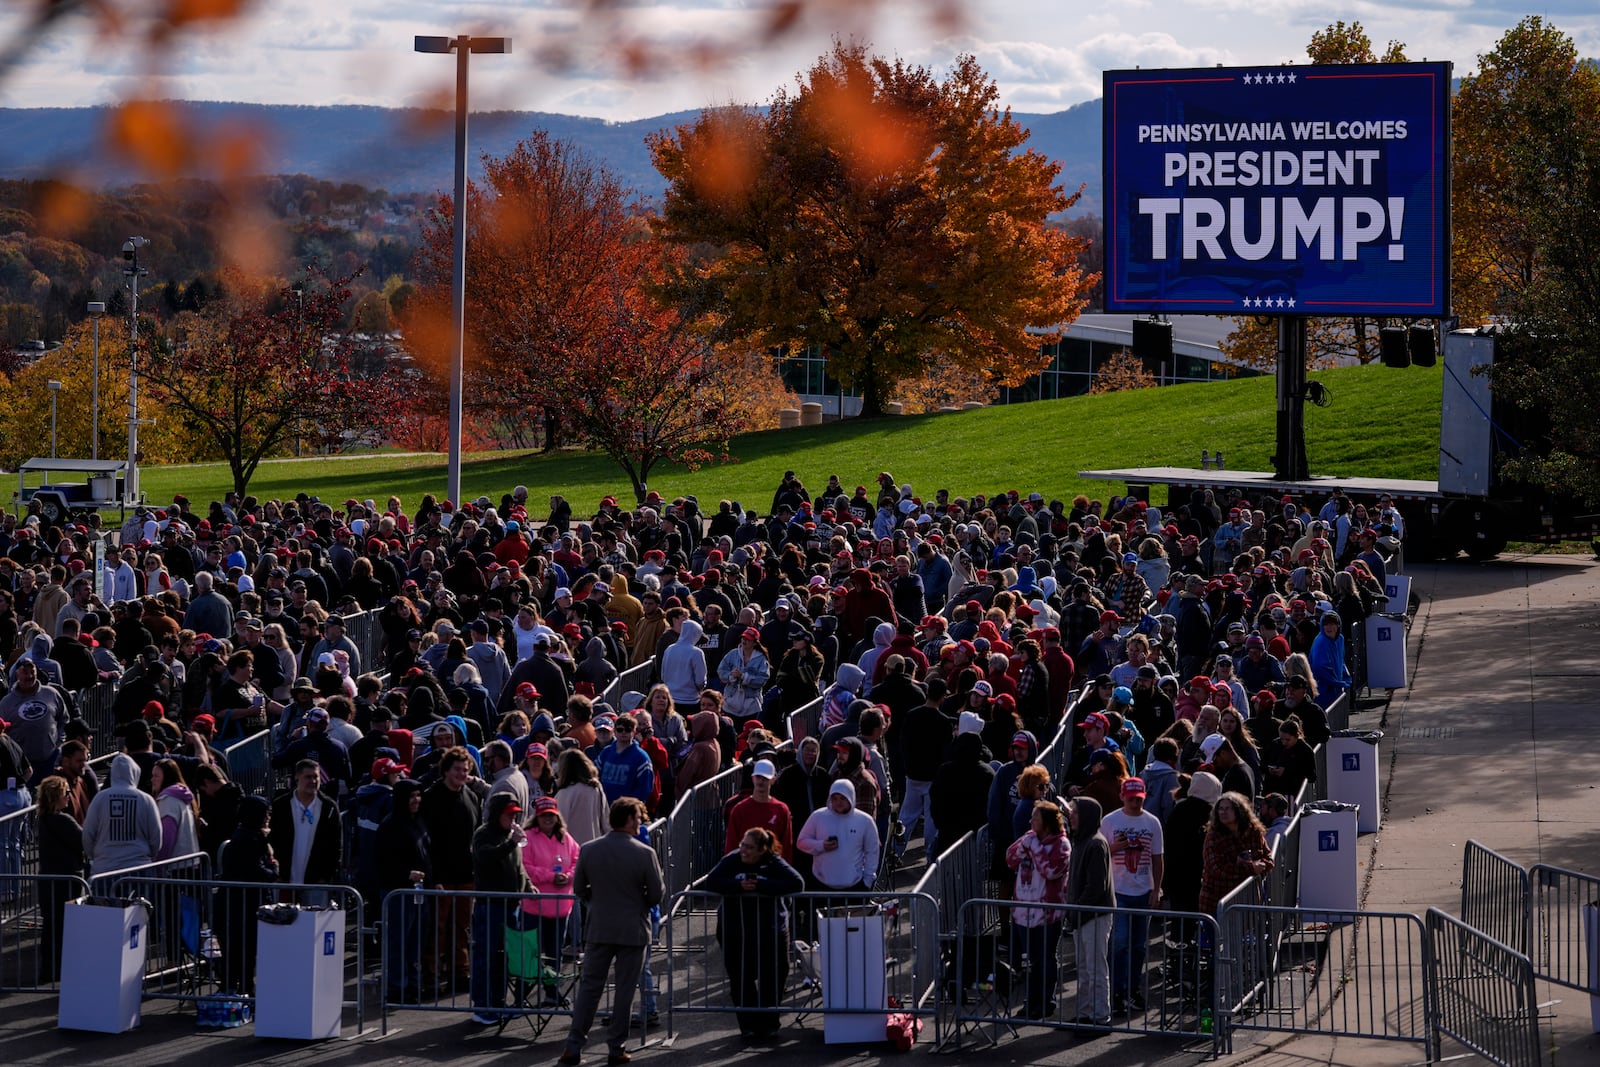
(55, 391)
(96, 309)
(463, 46)
(133, 272)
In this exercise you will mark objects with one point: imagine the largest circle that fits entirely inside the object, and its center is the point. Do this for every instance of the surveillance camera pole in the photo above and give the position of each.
(133, 272)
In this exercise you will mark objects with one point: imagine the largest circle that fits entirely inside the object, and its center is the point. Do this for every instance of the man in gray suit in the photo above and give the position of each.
(619, 879)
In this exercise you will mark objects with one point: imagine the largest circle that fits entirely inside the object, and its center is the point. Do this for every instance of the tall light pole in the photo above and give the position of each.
(55, 391)
(463, 46)
(133, 272)
(96, 309)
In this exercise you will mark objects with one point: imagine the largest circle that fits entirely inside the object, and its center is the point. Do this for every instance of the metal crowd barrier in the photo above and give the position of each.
(758, 971)
(204, 937)
(1347, 974)
(250, 764)
(191, 865)
(960, 873)
(30, 929)
(696, 830)
(1495, 897)
(1566, 927)
(366, 634)
(634, 679)
(447, 951)
(805, 721)
(1338, 714)
(97, 707)
(1003, 982)
(1483, 993)
(19, 852)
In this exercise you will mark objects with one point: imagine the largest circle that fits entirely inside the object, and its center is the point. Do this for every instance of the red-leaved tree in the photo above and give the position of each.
(265, 367)
(650, 384)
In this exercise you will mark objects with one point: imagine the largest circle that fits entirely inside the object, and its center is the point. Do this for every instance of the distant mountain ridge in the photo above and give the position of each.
(410, 150)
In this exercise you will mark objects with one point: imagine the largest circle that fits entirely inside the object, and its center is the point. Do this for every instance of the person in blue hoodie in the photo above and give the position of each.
(1328, 663)
(625, 768)
(1004, 798)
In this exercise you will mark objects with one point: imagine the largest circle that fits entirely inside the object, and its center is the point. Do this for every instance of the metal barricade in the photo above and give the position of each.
(805, 721)
(960, 873)
(30, 929)
(1566, 927)
(204, 936)
(1026, 978)
(1495, 897)
(97, 707)
(497, 956)
(1483, 993)
(364, 632)
(756, 970)
(634, 679)
(696, 830)
(19, 851)
(1338, 714)
(1348, 974)
(250, 764)
(191, 865)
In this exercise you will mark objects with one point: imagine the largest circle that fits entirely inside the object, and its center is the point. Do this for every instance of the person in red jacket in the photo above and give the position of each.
(1060, 667)
(760, 810)
(864, 600)
(904, 644)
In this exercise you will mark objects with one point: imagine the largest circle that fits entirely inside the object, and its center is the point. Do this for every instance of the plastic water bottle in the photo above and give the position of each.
(558, 867)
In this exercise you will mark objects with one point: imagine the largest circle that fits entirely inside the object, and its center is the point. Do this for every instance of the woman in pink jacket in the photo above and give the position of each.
(549, 856)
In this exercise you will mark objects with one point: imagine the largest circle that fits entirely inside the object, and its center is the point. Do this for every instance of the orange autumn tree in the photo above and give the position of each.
(882, 212)
(1123, 371)
(548, 231)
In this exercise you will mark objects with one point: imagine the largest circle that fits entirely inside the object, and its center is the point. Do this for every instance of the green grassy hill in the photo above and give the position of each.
(1381, 423)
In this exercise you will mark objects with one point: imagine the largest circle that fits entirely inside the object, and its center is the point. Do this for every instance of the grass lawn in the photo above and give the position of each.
(1381, 423)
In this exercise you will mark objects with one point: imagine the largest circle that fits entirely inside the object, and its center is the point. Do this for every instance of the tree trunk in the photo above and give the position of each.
(552, 430)
(873, 394)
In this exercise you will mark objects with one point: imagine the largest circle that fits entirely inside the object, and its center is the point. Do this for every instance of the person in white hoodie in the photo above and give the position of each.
(122, 828)
(842, 842)
(683, 669)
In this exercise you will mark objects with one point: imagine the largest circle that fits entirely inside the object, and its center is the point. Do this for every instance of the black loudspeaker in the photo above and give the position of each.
(1393, 341)
(1421, 346)
(1152, 343)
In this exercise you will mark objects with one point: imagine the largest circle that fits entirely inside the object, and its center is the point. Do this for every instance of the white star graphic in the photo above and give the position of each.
(1280, 301)
(1291, 301)
(1282, 78)
(1291, 79)
(1248, 302)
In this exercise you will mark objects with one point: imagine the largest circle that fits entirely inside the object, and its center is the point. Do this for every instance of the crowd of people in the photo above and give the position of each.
(883, 665)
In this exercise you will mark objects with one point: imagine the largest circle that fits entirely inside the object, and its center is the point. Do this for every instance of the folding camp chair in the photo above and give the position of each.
(538, 988)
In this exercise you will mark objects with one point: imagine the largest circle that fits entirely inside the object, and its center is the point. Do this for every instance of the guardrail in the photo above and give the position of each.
(1347, 974)
(1495, 897)
(872, 954)
(30, 930)
(1566, 927)
(1172, 990)
(805, 721)
(634, 679)
(250, 764)
(19, 851)
(695, 831)
(1484, 993)
(97, 707)
(203, 938)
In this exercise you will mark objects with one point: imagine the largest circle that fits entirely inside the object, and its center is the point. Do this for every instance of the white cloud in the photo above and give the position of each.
(1044, 55)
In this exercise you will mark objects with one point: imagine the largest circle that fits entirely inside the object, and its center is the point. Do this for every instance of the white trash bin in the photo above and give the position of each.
(102, 965)
(1397, 587)
(1353, 775)
(1386, 652)
(853, 979)
(300, 976)
(1328, 857)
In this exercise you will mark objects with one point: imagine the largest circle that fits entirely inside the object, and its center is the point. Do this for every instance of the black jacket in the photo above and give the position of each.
(327, 843)
(402, 844)
(959, 797)
(928, 732)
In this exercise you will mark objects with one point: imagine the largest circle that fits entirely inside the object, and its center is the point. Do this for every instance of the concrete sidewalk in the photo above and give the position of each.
(1491, 742)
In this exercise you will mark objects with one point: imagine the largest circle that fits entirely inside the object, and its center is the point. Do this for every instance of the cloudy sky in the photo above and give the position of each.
(1045, 54)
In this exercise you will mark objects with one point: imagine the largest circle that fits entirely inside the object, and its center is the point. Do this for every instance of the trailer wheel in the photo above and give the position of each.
(52, 509)
(1480, 529)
